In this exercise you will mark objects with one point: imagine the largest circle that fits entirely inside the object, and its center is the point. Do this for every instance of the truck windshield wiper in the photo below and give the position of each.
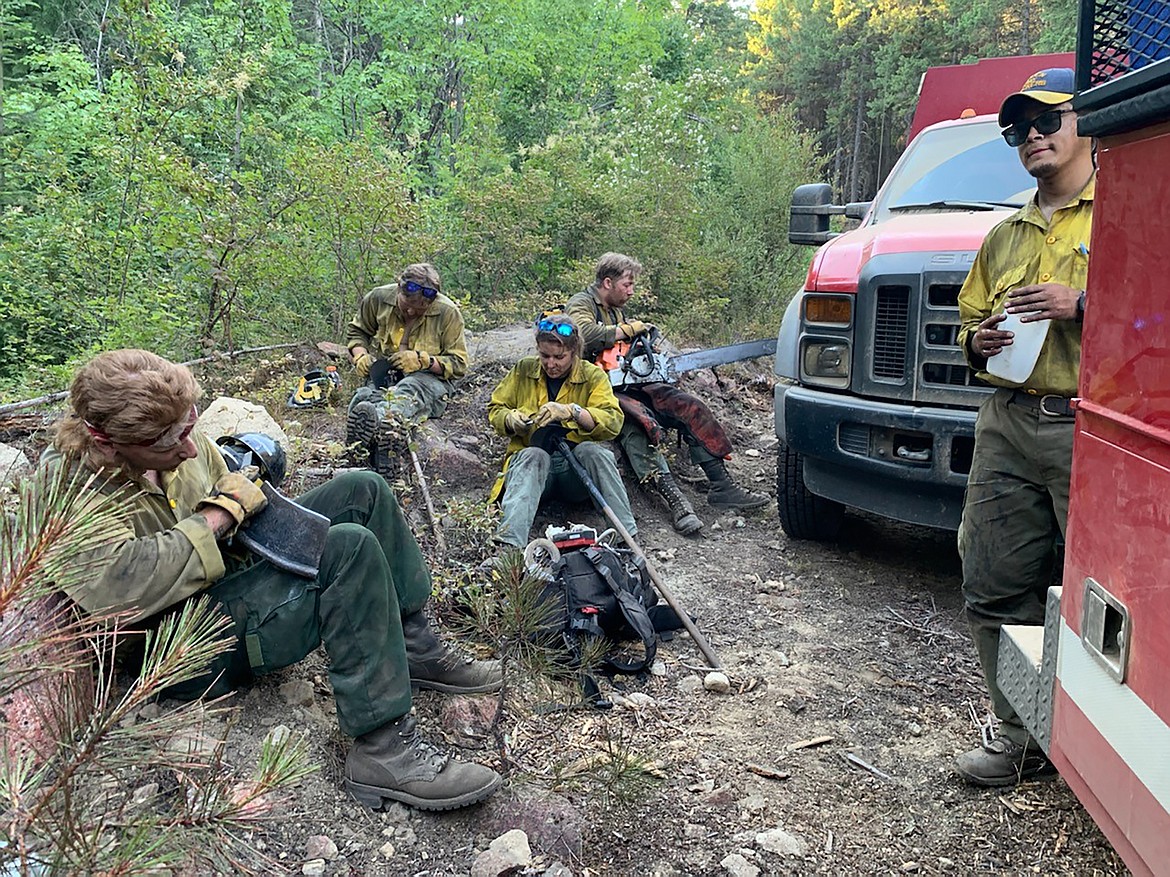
(954, 205)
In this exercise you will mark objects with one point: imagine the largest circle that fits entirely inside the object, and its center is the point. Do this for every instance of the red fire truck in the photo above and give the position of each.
(1092, 683)
(875, 406)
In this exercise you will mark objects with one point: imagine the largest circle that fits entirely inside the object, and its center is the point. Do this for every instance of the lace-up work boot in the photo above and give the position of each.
(361, 426)
(1003, 762)
(394, 763)
(390, 447)
(436, 666)
(725, 493)
(682, 513)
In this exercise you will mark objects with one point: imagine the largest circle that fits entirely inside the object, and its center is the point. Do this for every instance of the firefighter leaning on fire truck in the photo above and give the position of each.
(652, 408)
(1033, 264)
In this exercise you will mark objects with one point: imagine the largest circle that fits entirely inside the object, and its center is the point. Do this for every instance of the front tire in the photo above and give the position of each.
(803, 514)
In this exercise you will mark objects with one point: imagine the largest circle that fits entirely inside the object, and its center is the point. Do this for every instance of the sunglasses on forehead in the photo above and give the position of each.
(565, 330)
(410, 287)
(1048, 122)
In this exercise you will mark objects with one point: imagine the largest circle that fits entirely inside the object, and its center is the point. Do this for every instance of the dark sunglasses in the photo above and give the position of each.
(1048, 122)
(565, 330)
(412, 288)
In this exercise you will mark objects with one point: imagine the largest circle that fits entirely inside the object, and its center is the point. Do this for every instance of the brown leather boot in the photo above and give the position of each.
(682, 513)
(394, 763)
(725, 493)
(438, 667)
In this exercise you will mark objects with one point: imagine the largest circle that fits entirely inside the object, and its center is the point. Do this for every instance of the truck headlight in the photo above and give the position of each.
(826, 362)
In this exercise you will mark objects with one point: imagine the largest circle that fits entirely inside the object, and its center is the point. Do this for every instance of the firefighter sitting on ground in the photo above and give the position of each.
(652, 408)
(407, 344)
(133, 415)
(545, 397)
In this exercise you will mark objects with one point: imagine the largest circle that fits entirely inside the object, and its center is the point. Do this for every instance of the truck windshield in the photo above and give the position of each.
(962, 167)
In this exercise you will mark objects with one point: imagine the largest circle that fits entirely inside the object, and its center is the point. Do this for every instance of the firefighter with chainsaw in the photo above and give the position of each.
(133, 419)
(408, 346)
(544, 399)
(652, 408)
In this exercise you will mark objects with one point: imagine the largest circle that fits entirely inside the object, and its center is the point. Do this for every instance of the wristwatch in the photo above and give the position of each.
(577, 410)
(1081, 307)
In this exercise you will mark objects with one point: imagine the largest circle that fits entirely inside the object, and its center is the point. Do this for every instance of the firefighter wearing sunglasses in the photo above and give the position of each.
(544, 398)
(1033, 264)
(655, 407)
(408, 346)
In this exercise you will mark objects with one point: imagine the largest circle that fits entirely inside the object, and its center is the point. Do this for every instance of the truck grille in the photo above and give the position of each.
(907, 330)
(889, 333)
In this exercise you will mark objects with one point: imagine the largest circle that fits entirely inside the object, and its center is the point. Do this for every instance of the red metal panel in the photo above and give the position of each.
(946, 92)
(1119, 517)
(1128, 814)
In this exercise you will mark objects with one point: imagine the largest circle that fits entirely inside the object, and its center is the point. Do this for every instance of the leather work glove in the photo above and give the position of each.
(552, 412)
(516, 423)
(362, 364)
(237, 495)
(410, 361)
(634, 328)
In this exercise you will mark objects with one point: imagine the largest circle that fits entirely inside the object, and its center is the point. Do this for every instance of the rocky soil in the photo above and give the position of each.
(852, 686)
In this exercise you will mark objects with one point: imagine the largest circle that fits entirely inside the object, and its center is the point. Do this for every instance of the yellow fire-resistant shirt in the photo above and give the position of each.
(379, 326)
(167, 552)
(525, 389)
(1022, 250)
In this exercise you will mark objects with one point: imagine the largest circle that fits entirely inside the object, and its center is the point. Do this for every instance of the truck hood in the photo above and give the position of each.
(838, 264)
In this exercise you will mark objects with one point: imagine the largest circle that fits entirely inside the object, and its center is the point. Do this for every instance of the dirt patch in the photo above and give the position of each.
(853, 683)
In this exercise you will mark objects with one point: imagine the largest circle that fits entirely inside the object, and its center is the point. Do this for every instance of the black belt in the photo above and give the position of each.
(1053, 406)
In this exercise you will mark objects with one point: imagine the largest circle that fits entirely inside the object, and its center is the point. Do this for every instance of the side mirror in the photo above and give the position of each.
(808, 218)
(857, 209)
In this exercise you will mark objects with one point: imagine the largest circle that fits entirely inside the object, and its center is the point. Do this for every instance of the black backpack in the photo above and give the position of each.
(605, 593)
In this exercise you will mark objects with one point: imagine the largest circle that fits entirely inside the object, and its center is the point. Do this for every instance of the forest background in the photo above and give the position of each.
(199, 175)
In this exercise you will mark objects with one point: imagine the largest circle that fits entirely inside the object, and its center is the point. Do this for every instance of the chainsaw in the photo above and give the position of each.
(631, 363)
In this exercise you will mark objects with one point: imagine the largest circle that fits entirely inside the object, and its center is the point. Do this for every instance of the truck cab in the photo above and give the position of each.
(875, 405)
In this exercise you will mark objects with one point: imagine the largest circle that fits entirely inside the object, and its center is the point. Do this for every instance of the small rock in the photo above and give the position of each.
(144, 793)
(751, 452)
(279, 735)
(505, 854)
(313, 867)
(149, 711)
(387, 850)
(738, 522)
(405, 836)
(320, 846)
(557, 869)
(639, 699)
(658, 668)
(717, 682)
(689, 684)
(737, 866)
(703, 786)
(783, 660)
(13, 464)
(779, 841)
(298, 692)
(915, 729)
(715, 525)
(753, 803)
(910, 867)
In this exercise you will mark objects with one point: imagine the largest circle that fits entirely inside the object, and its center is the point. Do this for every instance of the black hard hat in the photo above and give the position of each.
(254, 449)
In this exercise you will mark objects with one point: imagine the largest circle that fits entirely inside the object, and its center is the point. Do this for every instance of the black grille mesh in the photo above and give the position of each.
(1127, 35)
(890, 328)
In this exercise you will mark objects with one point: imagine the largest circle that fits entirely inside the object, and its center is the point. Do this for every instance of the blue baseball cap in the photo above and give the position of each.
(1052, 86)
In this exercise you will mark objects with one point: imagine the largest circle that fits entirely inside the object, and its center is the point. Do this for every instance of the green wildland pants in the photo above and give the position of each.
(372, 573)
(1016, 507)
(533, 474)
(646, 459)
(418, 395)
